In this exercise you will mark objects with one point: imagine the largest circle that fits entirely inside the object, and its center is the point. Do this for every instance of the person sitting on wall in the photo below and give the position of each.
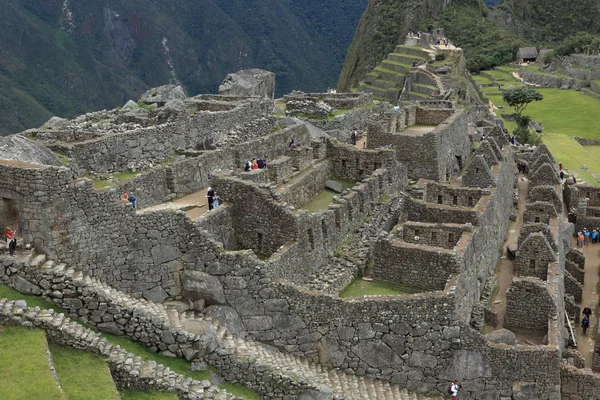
(260, 163)
(254, 164)
(133, 201)
(210, 198)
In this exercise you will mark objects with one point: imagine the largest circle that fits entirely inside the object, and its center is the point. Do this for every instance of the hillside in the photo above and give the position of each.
(65, 58)
(382, 26)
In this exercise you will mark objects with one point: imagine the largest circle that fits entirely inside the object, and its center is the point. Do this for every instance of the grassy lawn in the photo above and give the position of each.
(325, 197)
(24, 369)
(32, 301)
(83, 376)
(240, 391)
(563, 114)
(149, 395)
(359, 288)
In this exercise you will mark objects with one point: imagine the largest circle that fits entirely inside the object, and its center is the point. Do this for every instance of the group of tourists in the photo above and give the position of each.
(130, 197)
(584, 237)
(11, 241)
(212, 199)
(254, 164)
(443, 41)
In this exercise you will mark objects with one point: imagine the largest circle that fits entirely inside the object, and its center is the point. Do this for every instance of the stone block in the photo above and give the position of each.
(335, 186)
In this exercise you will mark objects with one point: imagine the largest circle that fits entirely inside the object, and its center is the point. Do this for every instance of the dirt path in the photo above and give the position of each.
(361, 143)
(507, 268)
(585, 344)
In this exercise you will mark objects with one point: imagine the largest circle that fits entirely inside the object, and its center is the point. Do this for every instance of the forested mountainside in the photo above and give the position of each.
(65, 57)
(489, 35)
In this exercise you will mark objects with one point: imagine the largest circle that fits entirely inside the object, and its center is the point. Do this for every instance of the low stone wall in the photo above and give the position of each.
(529, 304)
(432, 115)
(128, 371)
(547, 80)
(585, 60)
(355, 118)
(539, 211)
(438, 235)
(150, 188)
(579, 384)
(576, 272)
(592, 193)
(573, 287)
(436, 213)
(416, 266)
(219, 224)
(307, 185)
(452, 196)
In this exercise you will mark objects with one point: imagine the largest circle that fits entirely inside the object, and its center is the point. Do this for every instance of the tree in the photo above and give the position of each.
(520, 97)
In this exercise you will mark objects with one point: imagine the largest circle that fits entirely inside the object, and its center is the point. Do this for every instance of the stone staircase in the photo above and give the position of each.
(180, 318)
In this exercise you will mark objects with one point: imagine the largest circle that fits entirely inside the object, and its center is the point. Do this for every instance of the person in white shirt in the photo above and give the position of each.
(454, 389)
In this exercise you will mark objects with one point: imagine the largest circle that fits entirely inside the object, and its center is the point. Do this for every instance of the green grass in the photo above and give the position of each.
(322, 200)
(24, 369)
(240, 391)
(359, 288)
(83, 376)
(64, 159)
(563, 114)
(149, 395)
(32, 301)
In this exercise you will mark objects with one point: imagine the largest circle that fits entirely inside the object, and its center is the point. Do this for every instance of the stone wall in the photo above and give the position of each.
(336, 100)
(307, 184)
(592, 193)
(416, 266)
(435, 213)
(533, 257)
(452, 196)
(437, 235)
(539, 211)
(219, 224)
(529, 305)
(579, 384)
(531, 227)
(427, 115)
(547, 80)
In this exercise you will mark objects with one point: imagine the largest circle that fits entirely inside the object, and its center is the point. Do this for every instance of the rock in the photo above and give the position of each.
(199, 365)
(309, 108)
(157, 294)
(249, 82)
(163, 253)
(199, 285)
(162, 94)
(175, 105)
(55, 123)
(335, 186)
(228, 318)
(130, 104)
(443, 70)
(24, 286)
(110, 327)
(535, 126)
(376, 354)
(19, 148)
(503, 336)
(320, 392)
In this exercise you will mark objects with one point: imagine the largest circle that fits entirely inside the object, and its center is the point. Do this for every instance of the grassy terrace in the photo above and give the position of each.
(360, 288)
(178, 365)
(564, 114)
(325, 197)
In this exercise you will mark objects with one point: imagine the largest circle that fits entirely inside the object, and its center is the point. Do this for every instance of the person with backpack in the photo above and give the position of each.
(594, 236)
(354, 136)
(585, 323)
(453, 389)
(587, 312)
(133, 201)
(11, 241)
(210, 198)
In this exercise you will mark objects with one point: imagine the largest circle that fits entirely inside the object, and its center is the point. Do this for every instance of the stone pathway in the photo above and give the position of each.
(344, 386)
(585, 343)
(507, 268)
(194, 204)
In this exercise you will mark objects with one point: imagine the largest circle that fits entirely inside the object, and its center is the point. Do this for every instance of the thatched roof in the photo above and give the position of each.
(527, 53)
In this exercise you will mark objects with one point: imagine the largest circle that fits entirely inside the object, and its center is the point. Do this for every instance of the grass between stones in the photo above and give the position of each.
(149, 395)
(563, 114)
(83, 376)
(24, 368)
(322, 200)
(360, 288)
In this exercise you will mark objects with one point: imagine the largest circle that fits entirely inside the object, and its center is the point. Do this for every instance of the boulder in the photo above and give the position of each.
(55, 123)
(376, 354)
(249, 82)
(130, 104)
(162, 94)
(228, 318)
(24, 286)
(202, 286)
(502, 336)
(19, 148)
(335, 186)
(443, 70)
(157, 294)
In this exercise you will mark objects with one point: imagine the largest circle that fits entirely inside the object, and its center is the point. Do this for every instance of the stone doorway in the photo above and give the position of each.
(9, 217)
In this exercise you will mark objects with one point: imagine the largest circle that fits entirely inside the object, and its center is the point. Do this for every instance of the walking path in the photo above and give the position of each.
(507, 267)
(585, 343)
(194, 204)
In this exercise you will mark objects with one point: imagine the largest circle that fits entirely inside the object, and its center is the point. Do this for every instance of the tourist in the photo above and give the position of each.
(574, 180)
(133, 201)
(216, 200)
(260, 163)
(594, 236)
(586, 235)
(580, 238)
(585, 323)
(254, 164)
(453, 389)
(247, 166)
(354, 136)
(11, 241)
(560, 165)
(562, 175)
(125, 196)
(210, 197)
(587, 312)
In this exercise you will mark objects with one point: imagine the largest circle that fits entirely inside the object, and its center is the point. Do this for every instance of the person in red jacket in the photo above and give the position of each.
(11, 241)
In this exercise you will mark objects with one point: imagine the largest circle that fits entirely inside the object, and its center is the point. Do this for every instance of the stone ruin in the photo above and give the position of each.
(253, 286)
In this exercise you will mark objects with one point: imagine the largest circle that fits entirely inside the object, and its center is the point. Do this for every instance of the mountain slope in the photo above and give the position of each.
(65, 58)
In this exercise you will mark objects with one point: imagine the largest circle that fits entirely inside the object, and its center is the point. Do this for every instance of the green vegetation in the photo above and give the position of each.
(322, 200)
(83, 376)
(563, 114)
(360, 287)
(24, 370)
(149, 395)
(9, 293)
(240, 391)
(64, 159)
